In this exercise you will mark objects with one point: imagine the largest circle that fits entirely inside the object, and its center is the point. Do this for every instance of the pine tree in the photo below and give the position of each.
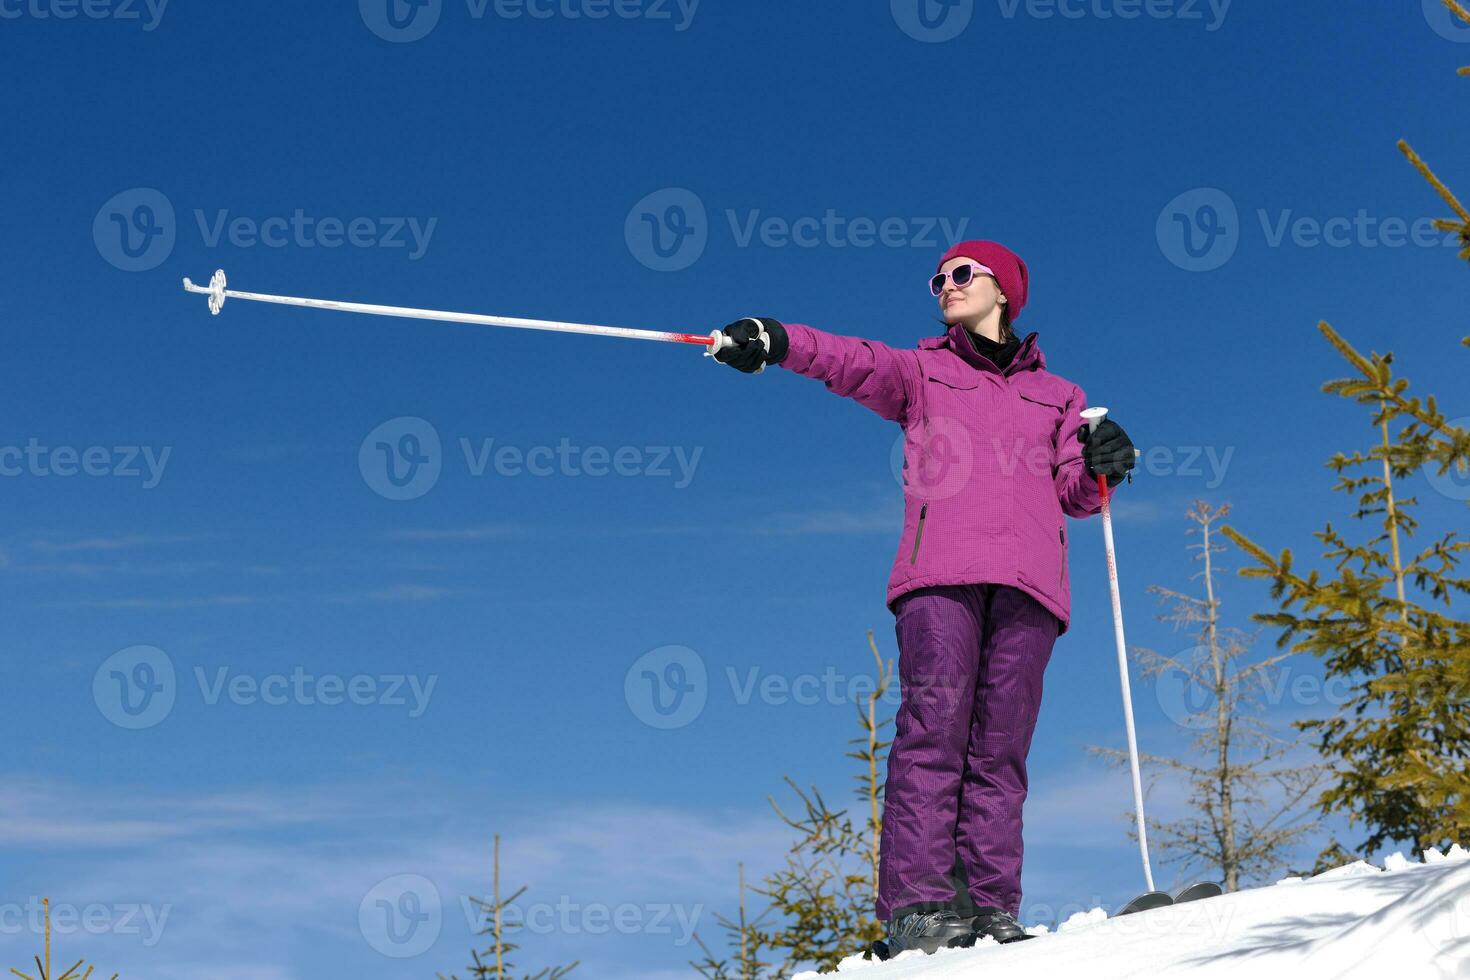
(43, 967)
(493, 963)
(1244, 796)
(1401, 742)
(827, 892)
(823, 899)
(744, 938)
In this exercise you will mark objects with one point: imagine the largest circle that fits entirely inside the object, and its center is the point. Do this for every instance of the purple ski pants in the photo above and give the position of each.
(970, 662)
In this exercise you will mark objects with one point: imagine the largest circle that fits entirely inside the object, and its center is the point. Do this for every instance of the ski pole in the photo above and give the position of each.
(217, 292)
(1093, 416)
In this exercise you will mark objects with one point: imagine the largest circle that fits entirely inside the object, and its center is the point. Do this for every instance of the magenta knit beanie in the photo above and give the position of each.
(1009, 270)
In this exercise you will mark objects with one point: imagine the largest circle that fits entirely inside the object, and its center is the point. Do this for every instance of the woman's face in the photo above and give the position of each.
(972, 304)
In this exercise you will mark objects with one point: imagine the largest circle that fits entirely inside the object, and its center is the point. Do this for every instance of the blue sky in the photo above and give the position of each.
(366, 688)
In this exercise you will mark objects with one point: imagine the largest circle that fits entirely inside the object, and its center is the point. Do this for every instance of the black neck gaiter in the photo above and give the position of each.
(999, 353)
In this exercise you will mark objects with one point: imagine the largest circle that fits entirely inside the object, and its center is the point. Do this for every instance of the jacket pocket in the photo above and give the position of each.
(919, 534)
(1062, 537)
(1036, 398)
(960, 381)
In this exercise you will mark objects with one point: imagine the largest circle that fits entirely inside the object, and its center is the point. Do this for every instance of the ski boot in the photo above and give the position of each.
(928, 931)
(998, 924)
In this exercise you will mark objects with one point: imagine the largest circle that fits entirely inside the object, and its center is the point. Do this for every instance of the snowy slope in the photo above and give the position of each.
(1403, 923)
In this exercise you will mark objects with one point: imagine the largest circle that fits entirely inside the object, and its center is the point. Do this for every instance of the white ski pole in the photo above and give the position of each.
(713, 341)
(1093, 416)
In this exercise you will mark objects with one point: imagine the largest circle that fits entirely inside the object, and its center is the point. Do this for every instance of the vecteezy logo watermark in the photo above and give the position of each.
(1200, 230)
(401, 916)
(401, 21)
(135, 687)
(136, 230)
(37, 460)
(93, 919)
(1445, 22)
(124, 10)
(404, 21)
(933, 460)
(667, 688)
(932, 21)
(1448, 930)
(668, 230)
(1454, 482)
(1185, 693)
(401, 458)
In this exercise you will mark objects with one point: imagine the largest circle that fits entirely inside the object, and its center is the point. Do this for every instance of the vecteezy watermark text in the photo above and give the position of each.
(403, 916)
(37, 460)
(1200, 230)
(405, 21)
(136, 230)
(149, 13)
(402, 459)
(137, 688)
(92, 919)
(936, 21)
(566, 459)
(669, 229)
(567, 917)
(300, 687)
(668, 687)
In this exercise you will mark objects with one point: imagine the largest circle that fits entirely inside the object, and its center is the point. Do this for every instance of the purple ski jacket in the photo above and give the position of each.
(991, 459)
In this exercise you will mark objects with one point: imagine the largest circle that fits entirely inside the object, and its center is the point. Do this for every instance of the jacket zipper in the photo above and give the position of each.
(919, 534)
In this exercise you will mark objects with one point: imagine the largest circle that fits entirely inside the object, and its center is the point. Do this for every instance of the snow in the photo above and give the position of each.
(1404, 921)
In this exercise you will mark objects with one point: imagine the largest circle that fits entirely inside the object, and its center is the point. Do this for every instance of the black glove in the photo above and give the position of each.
(749, 354)
(1107, 450)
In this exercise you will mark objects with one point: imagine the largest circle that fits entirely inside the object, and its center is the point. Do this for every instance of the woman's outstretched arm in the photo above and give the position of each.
(885, 379)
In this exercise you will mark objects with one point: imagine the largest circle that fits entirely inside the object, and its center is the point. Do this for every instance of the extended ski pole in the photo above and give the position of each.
(713, 341)
(1094, 416)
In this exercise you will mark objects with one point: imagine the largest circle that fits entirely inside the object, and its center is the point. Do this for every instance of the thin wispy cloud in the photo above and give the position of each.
(397, 593)
(223, 869)
(887, 519)
(117, 542)
(180, 602)
(155, 568)
(479, 532)
(403, 592)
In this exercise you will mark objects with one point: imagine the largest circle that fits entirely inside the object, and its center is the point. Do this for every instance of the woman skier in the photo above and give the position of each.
(995, 453)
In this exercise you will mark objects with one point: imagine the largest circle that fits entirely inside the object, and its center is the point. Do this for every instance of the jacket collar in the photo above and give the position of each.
(958, 341)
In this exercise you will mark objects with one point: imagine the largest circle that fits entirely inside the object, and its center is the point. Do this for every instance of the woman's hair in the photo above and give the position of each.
(1006, 333)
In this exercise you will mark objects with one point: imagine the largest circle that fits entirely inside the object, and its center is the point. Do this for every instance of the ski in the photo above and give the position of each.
(1158, 900)
(1145, 902)
(1197, 891)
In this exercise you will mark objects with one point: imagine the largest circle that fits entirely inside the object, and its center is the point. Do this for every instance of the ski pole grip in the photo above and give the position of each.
(1093, 417)
(719, 340)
